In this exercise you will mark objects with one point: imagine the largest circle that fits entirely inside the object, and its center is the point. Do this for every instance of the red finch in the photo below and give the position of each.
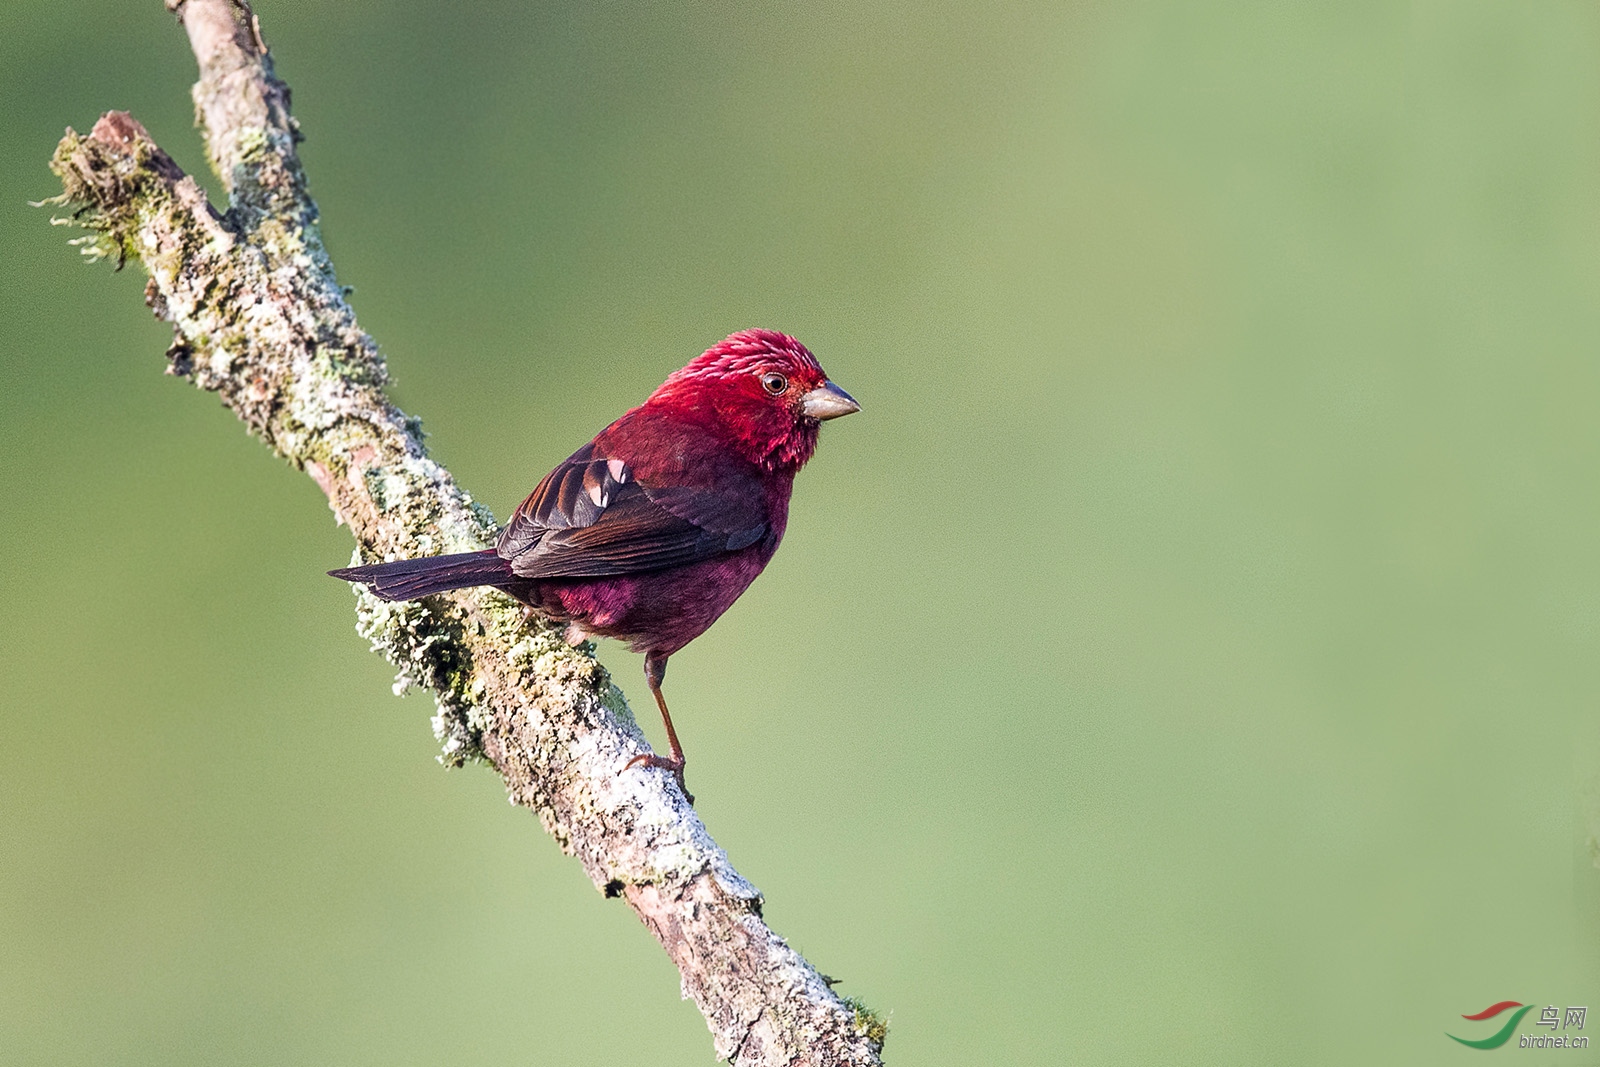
(651, 531)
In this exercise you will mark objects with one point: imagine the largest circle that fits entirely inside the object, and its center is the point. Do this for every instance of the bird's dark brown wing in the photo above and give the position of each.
(590, 517)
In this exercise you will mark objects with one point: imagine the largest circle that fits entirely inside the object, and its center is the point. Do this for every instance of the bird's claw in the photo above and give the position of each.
(666, 763)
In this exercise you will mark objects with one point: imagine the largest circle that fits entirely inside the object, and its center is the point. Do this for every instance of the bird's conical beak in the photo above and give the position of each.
(828, 401)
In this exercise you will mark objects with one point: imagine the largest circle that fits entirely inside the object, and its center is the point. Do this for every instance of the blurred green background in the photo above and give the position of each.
(1188, 656)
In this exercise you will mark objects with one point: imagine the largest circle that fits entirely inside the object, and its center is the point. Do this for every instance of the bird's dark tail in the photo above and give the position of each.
(408, 579)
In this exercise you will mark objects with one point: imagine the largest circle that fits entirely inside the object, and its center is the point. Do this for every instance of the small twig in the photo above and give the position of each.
(259, 318)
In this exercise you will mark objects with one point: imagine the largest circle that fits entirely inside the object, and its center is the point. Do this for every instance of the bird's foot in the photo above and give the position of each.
(667, 763)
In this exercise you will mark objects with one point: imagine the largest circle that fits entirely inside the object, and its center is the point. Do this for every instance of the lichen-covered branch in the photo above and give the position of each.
(259, 318)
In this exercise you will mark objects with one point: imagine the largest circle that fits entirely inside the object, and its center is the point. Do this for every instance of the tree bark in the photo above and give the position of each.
(259, 318)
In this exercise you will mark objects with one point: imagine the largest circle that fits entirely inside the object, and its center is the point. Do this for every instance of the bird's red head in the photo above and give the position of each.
(762, 388)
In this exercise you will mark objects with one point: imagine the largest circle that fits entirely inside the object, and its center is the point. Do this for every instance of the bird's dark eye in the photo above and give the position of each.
(774, 383)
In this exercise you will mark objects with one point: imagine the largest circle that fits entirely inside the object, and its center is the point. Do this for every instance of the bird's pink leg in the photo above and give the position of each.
(655, 671)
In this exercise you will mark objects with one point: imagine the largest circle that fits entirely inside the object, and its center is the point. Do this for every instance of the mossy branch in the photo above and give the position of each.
(258, 317)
